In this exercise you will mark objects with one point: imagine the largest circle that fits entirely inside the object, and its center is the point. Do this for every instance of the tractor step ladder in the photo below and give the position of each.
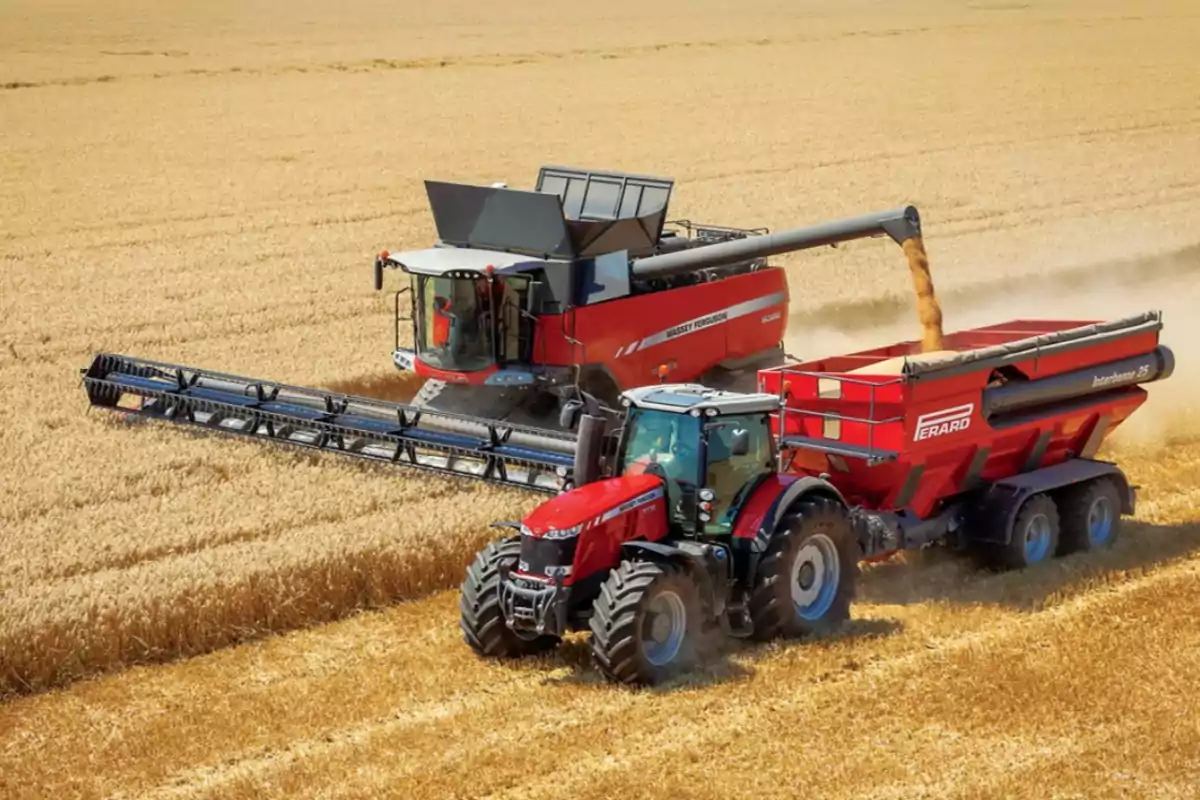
(513, 455)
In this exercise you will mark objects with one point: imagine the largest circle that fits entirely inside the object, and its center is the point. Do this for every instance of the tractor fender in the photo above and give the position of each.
(692, 559)
(991, 517)
(771, 502)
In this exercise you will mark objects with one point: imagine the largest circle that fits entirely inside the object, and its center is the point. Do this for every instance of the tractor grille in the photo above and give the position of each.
(547, 556)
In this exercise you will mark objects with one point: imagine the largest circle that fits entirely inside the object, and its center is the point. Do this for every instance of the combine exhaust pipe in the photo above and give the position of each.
(901, 224)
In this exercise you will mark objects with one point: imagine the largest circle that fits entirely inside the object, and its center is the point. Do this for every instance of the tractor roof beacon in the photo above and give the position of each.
(748, 514)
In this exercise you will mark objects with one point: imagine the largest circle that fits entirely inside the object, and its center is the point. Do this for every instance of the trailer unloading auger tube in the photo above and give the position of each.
(1002, 401)
(528, 458)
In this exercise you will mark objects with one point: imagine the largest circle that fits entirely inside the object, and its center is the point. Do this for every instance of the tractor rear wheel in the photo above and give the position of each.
(1091, 516)
(807, 576)
(646, 623)
(481, 617)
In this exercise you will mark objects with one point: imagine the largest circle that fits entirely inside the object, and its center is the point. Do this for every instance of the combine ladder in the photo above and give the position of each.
(529, 458)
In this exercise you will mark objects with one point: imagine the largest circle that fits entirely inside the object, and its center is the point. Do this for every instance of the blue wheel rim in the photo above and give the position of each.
(664, 628)
(1037, 538)
(1100, 521)
(816, 573)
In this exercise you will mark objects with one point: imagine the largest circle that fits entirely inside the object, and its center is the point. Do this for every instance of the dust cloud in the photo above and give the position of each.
(1169, 283)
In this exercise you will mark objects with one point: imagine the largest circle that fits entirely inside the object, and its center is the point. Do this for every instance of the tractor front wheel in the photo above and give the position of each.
(646, 623)
(805, 582)
(480, 615)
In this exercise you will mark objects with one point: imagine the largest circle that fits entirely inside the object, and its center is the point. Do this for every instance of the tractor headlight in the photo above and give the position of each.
(565, 533)
(708, 495)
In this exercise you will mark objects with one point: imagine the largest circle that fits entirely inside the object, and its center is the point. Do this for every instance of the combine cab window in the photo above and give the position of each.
(666, 444)
(454, 325)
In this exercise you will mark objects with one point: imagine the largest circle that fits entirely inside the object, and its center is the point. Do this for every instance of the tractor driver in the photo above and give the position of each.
(666, 450)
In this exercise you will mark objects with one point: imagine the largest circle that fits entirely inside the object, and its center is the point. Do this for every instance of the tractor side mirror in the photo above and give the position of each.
(568, 416)
(740, 444)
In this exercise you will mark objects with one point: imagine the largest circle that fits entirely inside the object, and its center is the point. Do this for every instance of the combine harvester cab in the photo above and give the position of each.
(749, 513)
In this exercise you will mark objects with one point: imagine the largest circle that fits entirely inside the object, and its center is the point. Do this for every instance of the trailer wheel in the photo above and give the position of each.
(1034, 536)
(1091, 516)
(646, 623)
(480, 616)
(806, 578)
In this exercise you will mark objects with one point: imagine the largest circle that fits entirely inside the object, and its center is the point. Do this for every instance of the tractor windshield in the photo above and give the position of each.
(666, 444)
(454, 328)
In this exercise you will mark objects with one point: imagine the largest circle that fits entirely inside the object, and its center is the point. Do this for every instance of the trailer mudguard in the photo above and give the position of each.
(991, 518)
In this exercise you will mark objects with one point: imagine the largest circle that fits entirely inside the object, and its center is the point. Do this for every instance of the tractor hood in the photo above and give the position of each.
(593, 503)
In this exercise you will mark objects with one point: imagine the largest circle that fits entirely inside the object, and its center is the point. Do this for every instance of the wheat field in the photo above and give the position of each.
(206, 183)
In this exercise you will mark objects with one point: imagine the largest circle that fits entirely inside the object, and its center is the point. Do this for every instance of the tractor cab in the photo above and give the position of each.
(710, 447)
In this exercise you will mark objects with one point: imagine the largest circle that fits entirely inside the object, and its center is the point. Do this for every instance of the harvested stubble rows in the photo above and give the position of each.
(211, 543)
(1075, 680)
(208, 197)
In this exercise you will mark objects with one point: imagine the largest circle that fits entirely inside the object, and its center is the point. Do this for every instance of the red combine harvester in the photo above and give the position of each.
(749, 513)
(527, 300)
(579, 284)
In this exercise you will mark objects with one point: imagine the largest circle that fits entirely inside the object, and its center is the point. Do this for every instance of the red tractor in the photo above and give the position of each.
(579, 285)
(749, 513)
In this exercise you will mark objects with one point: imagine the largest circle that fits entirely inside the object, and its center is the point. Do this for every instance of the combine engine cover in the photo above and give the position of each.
(569, 544)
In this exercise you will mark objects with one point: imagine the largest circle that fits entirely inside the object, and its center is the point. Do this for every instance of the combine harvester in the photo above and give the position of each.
(749, 513)
(528, 299)
(529, 296)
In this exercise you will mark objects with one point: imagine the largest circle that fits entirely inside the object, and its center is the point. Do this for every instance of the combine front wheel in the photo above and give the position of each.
(645, 623)
(481, 617)
(805, 582)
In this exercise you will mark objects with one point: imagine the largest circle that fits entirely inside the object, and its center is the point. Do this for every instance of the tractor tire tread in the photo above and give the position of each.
(771, 610)
(614, 620)
(481, 617)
